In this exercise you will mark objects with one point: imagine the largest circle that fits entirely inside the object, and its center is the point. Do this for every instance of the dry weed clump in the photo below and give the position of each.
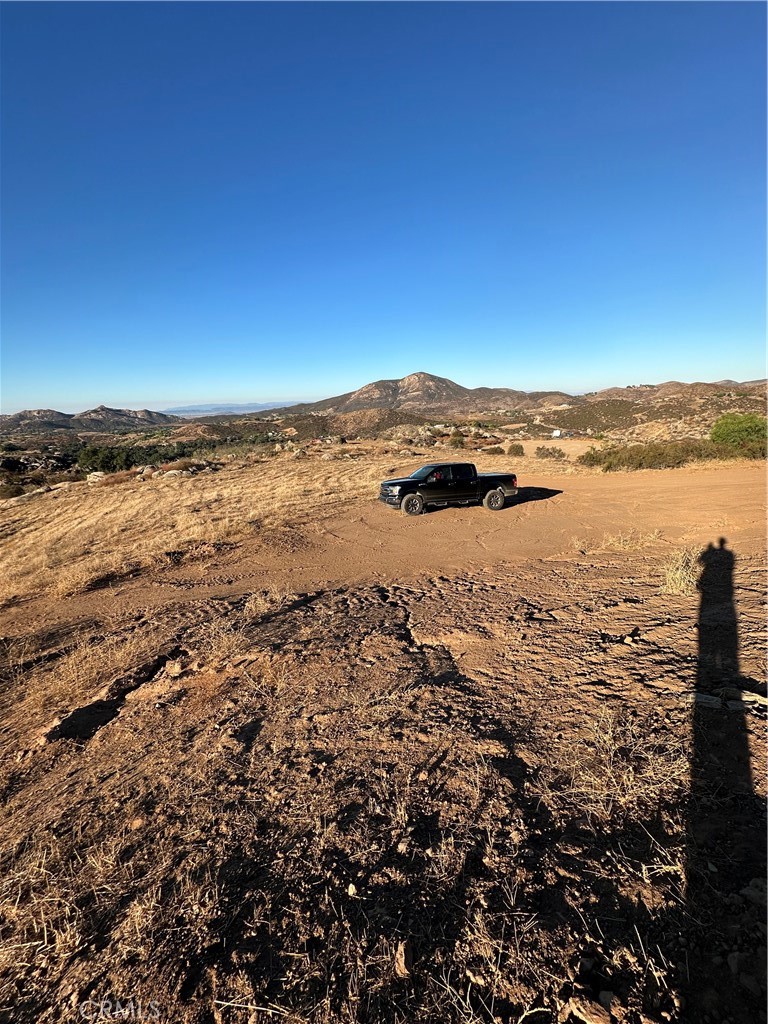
(623, 769)
(682, 572)
(222, 641)
(633, 540)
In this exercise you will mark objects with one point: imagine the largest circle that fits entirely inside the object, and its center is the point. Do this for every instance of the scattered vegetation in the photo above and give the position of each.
(546, 452)
(655, 455)
(516, 449)
(625, 767)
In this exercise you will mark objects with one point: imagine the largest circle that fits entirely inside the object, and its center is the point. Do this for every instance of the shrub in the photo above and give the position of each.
(551, 453)
(494, 451)
(515, 449)
(657, 455)
(457, 441)
(742, 431)
(10, 490)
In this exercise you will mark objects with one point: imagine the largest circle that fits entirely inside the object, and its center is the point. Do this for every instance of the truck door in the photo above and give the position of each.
(465, 481)
(438, 486)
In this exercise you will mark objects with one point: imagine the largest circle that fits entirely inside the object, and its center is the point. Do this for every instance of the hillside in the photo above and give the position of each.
(101, 419)
(642, 412)
(426, 391)
(672, 409)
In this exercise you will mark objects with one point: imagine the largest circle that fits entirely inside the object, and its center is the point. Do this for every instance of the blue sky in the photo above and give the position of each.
(248, 202)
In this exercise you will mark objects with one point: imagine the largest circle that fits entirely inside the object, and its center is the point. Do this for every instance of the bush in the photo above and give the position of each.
(457, 441)
(494, 451)
(744, 432)
(515, 449)
(10, 490)
(658, 455)
(551, 453)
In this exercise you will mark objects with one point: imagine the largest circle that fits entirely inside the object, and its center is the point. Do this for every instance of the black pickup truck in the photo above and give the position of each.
(448, 483)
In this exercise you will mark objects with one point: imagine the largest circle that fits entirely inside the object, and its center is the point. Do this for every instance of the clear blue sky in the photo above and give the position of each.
(248, 202)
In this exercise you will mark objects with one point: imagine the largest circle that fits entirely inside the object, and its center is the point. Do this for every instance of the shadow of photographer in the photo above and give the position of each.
(723, 973)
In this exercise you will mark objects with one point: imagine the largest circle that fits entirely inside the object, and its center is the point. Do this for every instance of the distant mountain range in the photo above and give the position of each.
(426, 392)
(99, 420)
(194, 411)
(679, 409)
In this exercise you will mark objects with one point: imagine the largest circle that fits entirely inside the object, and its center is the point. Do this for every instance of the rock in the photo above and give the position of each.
(750, 983)
(403, 960)
(94, 478)
(755, 892)
(707, 700)
(733, 963)
(606, 998)
(173, 472)
(585, 1011)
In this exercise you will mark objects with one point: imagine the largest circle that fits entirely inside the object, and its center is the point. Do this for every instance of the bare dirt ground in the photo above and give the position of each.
(272, 751)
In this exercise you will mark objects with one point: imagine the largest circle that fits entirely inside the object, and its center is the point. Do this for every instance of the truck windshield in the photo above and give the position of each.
(423, 473)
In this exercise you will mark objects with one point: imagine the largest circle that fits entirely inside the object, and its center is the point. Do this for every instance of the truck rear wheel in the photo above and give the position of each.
(494, 500)
(412, 505)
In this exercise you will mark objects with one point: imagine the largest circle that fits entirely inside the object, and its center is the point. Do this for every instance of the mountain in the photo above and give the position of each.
(223, 409)
(420, 391)
(99, 420)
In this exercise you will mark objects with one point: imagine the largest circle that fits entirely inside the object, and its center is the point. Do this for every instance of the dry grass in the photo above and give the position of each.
(624, 768)
(682, 572)
(82, 538)
(632, 540)
(90, 662)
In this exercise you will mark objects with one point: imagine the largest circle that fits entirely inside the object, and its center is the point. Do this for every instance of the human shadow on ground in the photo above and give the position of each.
(725, 842)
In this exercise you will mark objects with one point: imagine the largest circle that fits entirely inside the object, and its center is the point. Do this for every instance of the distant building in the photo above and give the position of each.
(556, 433)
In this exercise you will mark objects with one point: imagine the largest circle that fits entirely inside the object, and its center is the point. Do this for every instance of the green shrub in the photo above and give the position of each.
(515, 449)
(551, 453)
(744, 432)
(457, 441)
(496, 450)
(658, 454)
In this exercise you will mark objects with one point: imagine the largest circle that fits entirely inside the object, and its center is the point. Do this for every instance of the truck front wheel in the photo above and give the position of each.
(494, 500)
(412, 504)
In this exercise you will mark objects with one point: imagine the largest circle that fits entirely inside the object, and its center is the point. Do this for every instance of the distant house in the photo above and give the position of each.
(556, 433)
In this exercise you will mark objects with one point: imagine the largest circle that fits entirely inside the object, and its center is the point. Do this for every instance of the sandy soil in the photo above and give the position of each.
(469, 766)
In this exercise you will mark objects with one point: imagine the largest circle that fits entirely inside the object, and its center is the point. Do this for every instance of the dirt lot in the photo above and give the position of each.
(272, 751)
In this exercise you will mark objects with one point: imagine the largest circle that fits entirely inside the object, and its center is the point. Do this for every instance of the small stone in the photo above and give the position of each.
(351, 888)
(750, 983)
(606, 998)
(403, 960)
(733, 963)
(587, 1012)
